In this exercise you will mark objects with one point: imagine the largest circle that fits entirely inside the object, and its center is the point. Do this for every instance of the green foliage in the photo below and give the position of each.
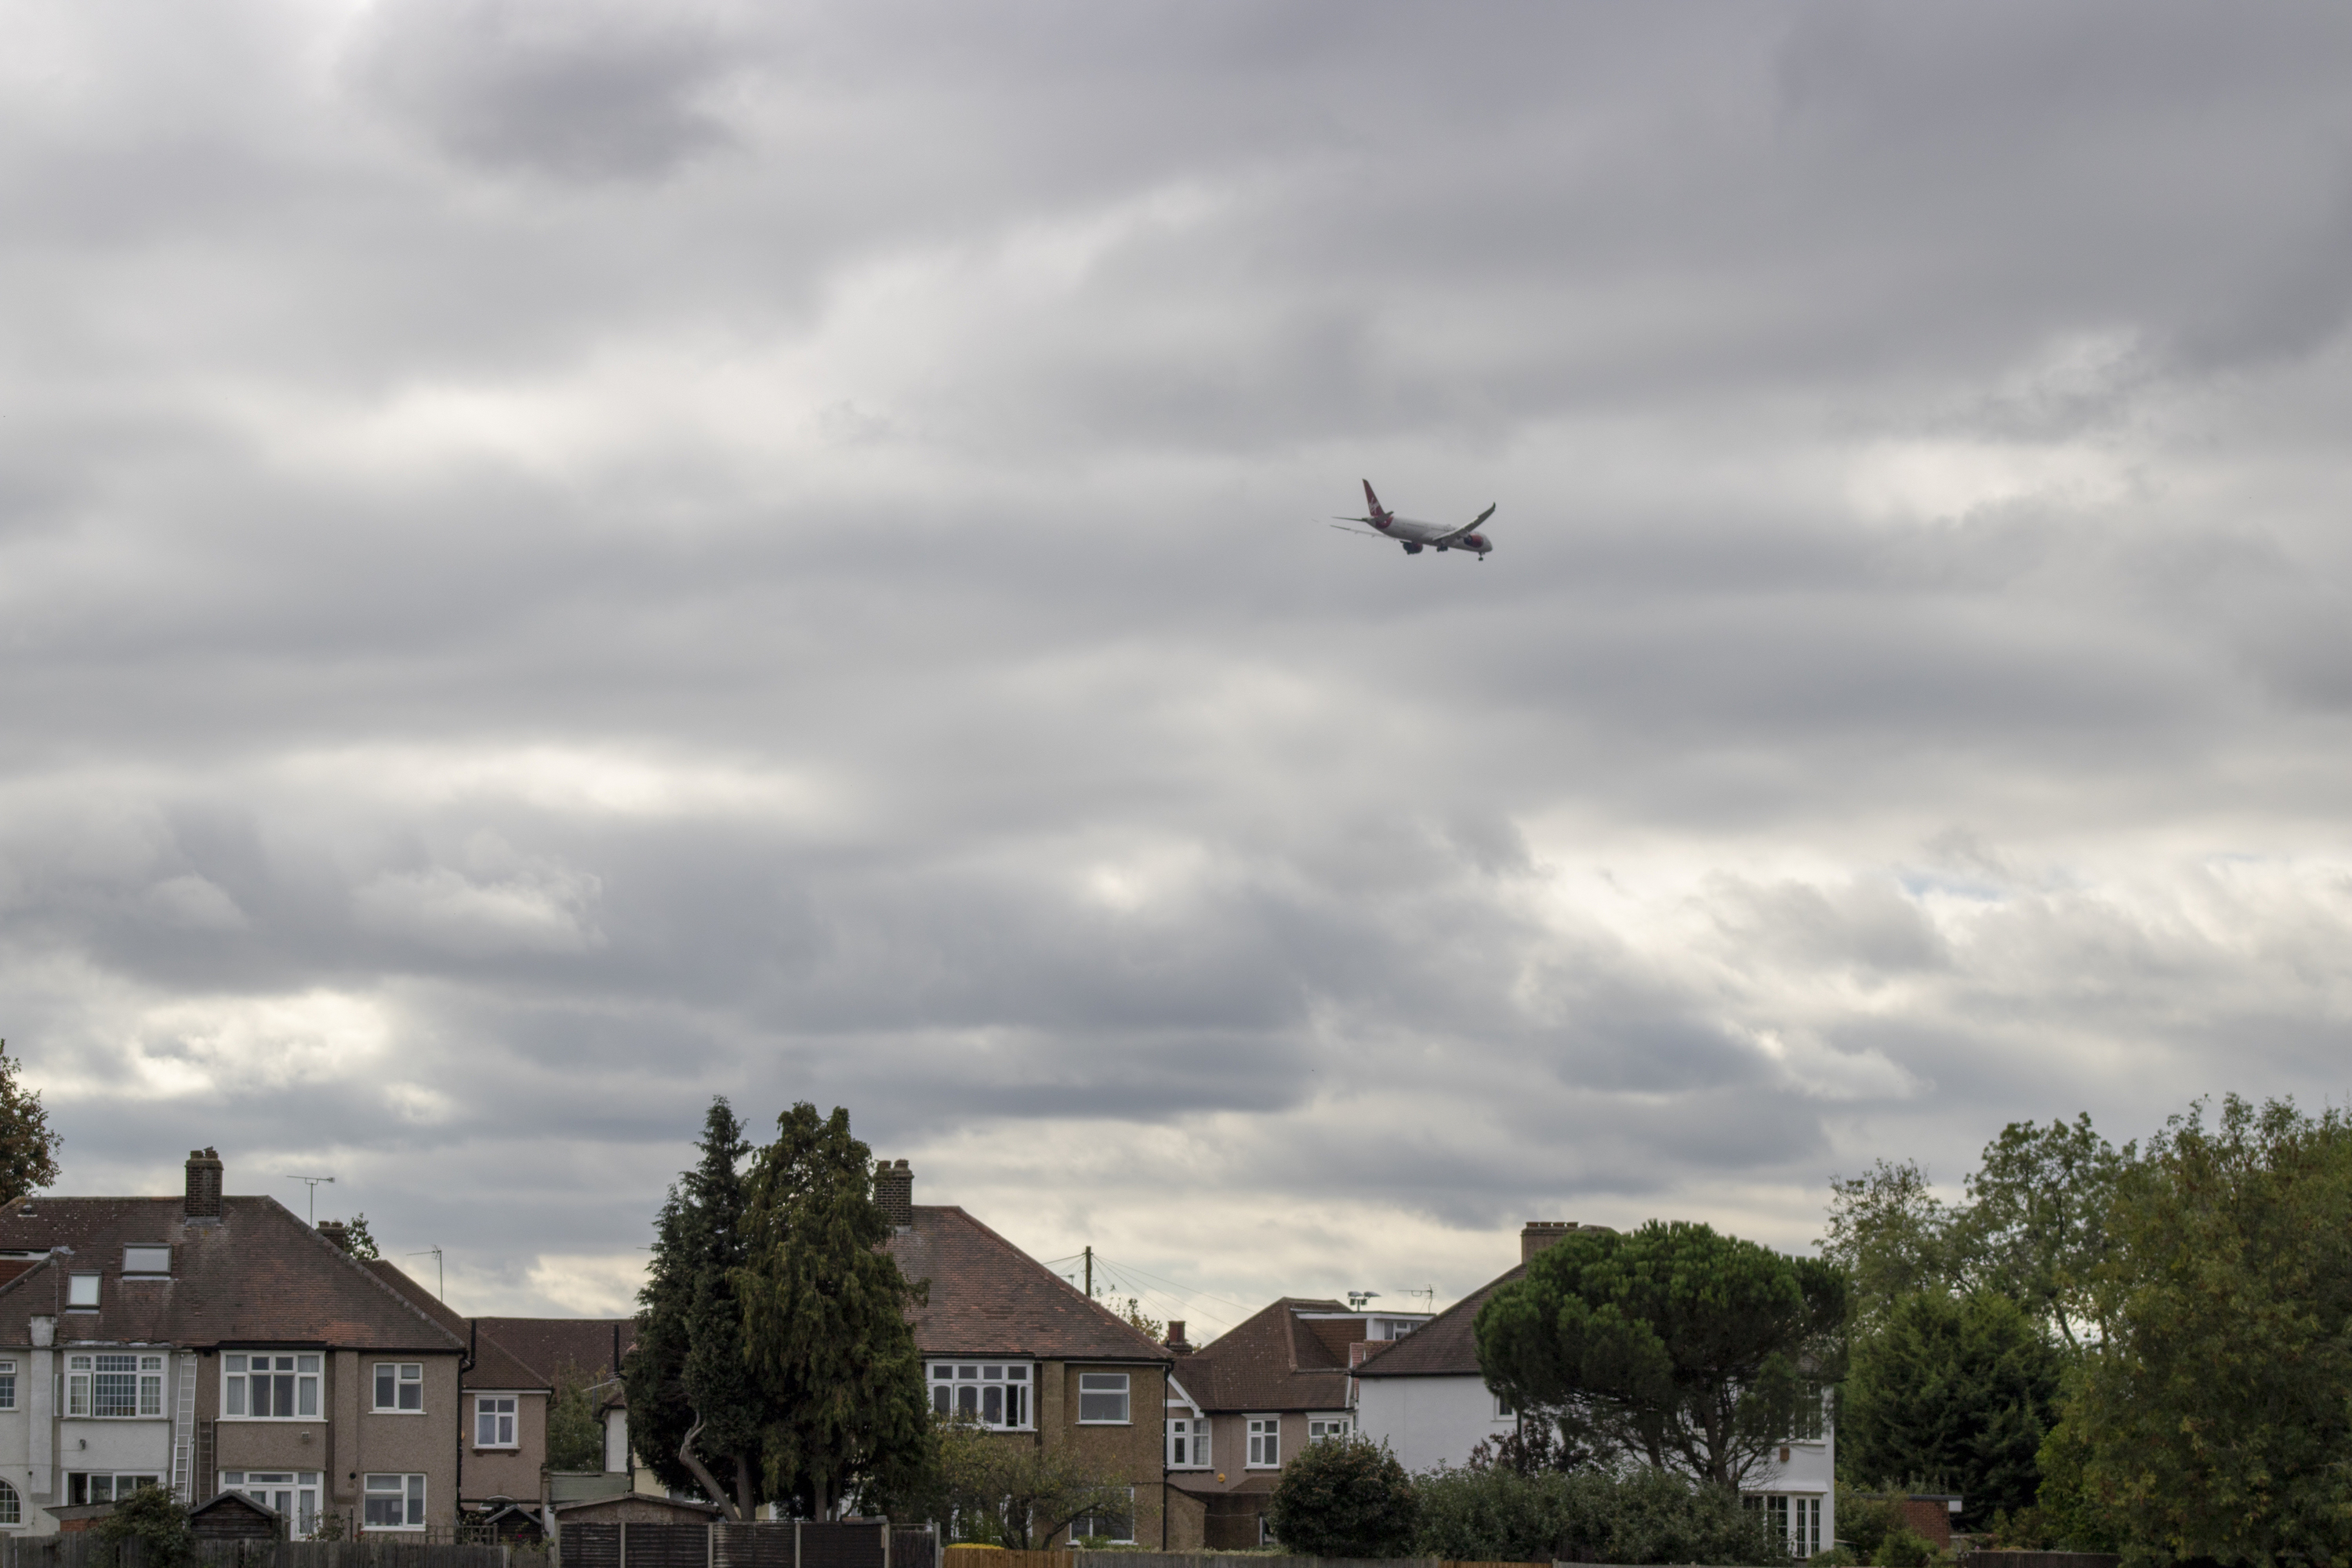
(1958, 1392)
(1644, 1515)
(2066, 1516)
(1001, 1490)
(1863, 1523)
(689, 1343)
(154, 1518)
(826, 1332)
(28, 1148)
(2035, 1227)
(1344, 1497)
(1904, 1547)
(575, 1432)
(354, 1238)
(1673, 1342)
(2213, 1421)
(1891, 1237)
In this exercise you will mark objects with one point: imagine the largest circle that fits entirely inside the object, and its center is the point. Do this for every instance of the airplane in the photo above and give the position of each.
(1416, 536)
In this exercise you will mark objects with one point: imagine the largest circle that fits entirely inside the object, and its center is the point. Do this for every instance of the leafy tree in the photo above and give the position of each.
(354, 1238)
(157, 1520)
(1136, 1318)
(1344, 1497)
(1960, 1391)
(1685, 1347)
(1892, 1236)
(691, 1403)
(1004, 1492)
(1641, 1515)
(2213, 1420)
(29, 1147)
(2035, 1228)
(824, 1321)
(1536, 1448)
(576, 1435)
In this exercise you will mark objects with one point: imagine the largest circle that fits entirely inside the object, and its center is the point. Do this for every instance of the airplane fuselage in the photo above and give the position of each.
(1415, 534)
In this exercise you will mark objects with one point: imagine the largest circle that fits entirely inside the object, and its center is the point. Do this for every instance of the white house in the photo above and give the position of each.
(1425, 1397)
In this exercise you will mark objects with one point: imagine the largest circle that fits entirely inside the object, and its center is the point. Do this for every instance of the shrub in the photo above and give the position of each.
(154, 1518)
(1863, 1523)
(1644, 1516)
(1904, 1548)
(1344, 1497)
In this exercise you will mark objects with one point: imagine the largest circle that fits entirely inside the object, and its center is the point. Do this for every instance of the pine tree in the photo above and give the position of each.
(28, 1148)
(824, 1320)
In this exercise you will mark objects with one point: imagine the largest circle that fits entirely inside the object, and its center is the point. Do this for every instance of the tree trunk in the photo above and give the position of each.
(711, 1487)
(743, 1486)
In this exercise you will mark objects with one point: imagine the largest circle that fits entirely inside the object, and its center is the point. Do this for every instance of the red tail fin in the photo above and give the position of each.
(1373, 502)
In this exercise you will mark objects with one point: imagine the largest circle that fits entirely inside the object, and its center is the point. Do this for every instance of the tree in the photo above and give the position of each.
(1959, 1391)
(2035, 1227)
(1673, 1342)
(1002, 1492)
(1892, 1236)
(157, 1520)
(825, 1330)
(1344, 1497)
(1141, 1322)
(1641, 1515)
(2212, 1421)
(353, 1237)
(28, 1148)
(691, 1403)
(575, 1432)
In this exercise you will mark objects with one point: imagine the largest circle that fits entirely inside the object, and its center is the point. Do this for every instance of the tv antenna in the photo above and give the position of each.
(313, 1182)
(438, 1280)
(1356, 1299)
(1428, 1294)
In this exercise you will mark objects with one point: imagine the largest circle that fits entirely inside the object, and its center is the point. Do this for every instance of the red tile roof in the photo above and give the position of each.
(1274, 1360)
(1445, 1346)
(257, 1276)
(494, 1367)
(990, 1297)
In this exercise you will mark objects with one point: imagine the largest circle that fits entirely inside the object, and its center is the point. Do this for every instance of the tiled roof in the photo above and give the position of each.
(1445, 1346)
(257, 1276)
(990, 1297)
(548, 1345)
(494, 1367)
(1273, 1360)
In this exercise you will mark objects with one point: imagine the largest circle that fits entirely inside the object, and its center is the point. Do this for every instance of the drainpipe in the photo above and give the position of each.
(465, 1366)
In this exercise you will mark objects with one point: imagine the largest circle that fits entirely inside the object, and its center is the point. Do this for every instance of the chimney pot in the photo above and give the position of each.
(204, 1199)
(1176, 1337)
(894, 1193)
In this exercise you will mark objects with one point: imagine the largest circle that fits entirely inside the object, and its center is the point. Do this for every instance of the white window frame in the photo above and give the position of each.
(1796, 1517)
(7, 1383)
(407, 1380)
(266, 1487)
(1813, 1416)
(81, 1292)
(149, 1260)
(405, 1490)
(1187, 1443)
(975, 1386)
(237, 1368)
(1126, 1539)
(12, 1507)
(85, 1368)
(1321, 1428)
(504, 1412)
(1503, 1411)
(1265, 1437)
(1103, 1391)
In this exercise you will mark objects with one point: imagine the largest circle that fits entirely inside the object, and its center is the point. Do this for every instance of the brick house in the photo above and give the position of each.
(220, 1344)
(1241, 1408)
(1014, 1345)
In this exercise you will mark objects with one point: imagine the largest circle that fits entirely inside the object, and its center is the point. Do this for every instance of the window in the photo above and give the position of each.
(394, 1502)
(400, 1385)
(269, 1387)
(1102, 1397)
(147, 1260)
(1264, 1443)
(1187, 1443)
(1321, 1426)
(8, 1384)
(994, 1393)
(1116, 1526)
(12, 1507)
(1796, 1520)
(494, 1421)
(82, 1290)
(113, 1386)
(1807, 1427)
(1504, 1409)
(293, 1493)
(101, 1486)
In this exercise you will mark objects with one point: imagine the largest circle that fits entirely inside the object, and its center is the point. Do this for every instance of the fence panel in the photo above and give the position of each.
(753, 1545)
(590, 1546)
(842, 1545)
(991, 1557)
(913, 1548)
(665, 1545)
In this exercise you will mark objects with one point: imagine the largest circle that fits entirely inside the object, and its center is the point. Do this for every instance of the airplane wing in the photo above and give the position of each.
(1367, 533)
(1469, 527)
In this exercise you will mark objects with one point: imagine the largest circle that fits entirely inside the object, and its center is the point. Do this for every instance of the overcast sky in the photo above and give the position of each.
(562, 558)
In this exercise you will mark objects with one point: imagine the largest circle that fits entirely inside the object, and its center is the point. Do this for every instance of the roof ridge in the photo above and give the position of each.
(1157, 1351)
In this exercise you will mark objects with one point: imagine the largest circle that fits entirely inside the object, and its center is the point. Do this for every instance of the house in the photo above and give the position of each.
(217, 1343)
(1241, 1408)
(1012, 1345)
(1427, 1399)
(559, 1349)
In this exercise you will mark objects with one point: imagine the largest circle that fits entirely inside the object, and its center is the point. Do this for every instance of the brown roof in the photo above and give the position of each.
(990, 1297)
(257, 1276)
(494, 1367)
(547, 1345)
(1274, 1360)
(1445, 1346)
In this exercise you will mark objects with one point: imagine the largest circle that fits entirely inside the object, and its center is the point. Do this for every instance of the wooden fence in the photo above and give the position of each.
(82, 1549)
(844, 1543)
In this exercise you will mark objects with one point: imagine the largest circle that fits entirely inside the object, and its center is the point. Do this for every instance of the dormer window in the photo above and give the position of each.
(148, 1260)
(82, 1290)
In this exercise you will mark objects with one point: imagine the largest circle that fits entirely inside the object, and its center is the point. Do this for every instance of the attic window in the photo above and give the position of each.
(147, 1260)
(82, 1290)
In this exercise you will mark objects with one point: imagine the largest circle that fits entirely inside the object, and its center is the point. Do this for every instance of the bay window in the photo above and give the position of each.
(113, 1386)
(994, 1393)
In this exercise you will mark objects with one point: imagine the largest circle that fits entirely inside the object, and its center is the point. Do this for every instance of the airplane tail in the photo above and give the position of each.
(1372, 503)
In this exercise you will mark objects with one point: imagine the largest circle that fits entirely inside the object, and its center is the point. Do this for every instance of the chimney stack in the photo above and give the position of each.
(1176, 1337)
(894, 1193)
(336, 1231)
(204, 1186)
(1539, 1234)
